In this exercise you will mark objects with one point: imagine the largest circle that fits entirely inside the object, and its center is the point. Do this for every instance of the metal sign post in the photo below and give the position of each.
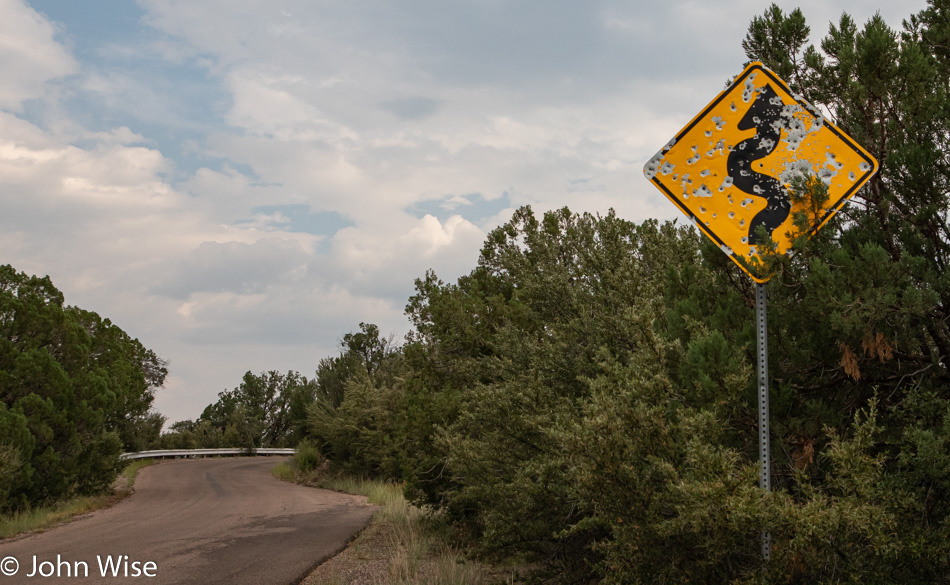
(729, 171)
(762, 351)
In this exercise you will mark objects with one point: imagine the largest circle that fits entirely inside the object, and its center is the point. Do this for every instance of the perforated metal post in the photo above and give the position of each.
(762, 347)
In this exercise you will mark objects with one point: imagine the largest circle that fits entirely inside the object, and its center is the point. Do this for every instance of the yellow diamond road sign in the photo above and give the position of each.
(730, 168)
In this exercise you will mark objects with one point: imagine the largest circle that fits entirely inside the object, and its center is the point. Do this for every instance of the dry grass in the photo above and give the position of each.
(132, 469)
(39, 519)
(402, 546)
(46, 517)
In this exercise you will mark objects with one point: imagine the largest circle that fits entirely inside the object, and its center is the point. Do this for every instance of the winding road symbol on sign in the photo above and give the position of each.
(729, 170)
(764, 116)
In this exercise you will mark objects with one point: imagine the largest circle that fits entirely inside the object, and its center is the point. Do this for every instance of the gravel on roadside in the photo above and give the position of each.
(365, 561)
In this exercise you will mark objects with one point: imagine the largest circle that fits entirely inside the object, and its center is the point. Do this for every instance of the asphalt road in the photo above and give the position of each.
(200, 522)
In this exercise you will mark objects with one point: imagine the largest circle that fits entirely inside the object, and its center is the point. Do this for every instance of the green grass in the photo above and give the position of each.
(132, 469)
(387, 495)
(306, 467)
(416, 546)
(284, 472)
(45, 517)
(48, 516)
(417, 541)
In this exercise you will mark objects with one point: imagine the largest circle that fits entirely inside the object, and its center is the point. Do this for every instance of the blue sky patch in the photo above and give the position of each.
(414, 108)
(126, 80)
(473, 207)
(298, 218)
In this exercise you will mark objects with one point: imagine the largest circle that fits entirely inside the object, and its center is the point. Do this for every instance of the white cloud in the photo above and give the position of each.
(367, 111)
(268, 107)
(234, 267)
(29, 55)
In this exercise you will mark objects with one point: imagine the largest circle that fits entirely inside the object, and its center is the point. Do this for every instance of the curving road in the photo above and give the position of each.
(200, 522)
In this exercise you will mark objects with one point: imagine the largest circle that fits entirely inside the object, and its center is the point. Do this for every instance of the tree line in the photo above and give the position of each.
(75, 391)
(271, 409)
(584, 399)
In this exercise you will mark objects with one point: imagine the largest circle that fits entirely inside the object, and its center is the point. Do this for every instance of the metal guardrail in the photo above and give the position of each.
(162, 453)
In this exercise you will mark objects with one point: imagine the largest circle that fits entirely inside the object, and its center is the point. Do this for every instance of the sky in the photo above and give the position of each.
(239, 183)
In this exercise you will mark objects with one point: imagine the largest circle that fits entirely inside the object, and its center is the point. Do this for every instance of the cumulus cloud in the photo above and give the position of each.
(29, 55)
(384, 262)
(233, 267)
